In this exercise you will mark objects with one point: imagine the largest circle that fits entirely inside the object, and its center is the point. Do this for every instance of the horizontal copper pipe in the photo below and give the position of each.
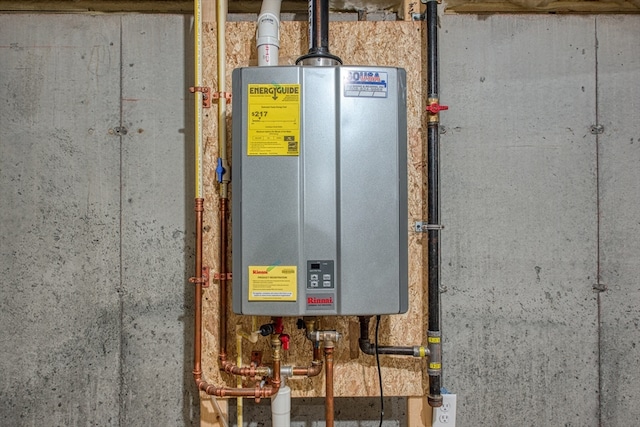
(257, 392)
(316, 363)
(310, 371)
(245, 371)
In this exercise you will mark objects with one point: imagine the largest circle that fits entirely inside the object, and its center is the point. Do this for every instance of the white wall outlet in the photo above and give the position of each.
(445, 416)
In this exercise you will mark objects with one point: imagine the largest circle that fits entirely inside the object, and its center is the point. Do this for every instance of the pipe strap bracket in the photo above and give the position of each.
(422, 227)
(205, 90)
(223, 276)
(203, 279)
(223, 95)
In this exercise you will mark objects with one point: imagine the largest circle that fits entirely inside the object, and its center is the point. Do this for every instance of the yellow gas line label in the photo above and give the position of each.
(273, 120)
(273, 283)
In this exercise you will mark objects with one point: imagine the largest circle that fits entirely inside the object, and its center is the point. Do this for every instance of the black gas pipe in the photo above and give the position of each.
(367, 347)
(433, 206)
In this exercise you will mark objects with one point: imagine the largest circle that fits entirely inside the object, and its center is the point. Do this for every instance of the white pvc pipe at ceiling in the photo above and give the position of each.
(268, 33)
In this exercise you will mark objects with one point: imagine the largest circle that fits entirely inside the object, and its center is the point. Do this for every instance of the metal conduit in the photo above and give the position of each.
(318, 36)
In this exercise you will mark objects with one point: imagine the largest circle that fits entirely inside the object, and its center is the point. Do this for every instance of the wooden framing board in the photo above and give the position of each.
(358, 43)
(542, 6)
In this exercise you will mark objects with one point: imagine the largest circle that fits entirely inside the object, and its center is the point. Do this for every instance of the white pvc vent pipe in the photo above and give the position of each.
(268, 33)
(281, 407)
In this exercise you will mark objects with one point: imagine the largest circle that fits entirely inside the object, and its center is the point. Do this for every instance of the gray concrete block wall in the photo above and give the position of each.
(309, 412)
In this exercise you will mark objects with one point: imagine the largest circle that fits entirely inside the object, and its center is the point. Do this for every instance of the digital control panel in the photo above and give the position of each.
(320, 275)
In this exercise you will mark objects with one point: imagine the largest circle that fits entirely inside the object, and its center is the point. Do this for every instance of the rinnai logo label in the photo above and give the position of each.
(321, 302)
(260, 272)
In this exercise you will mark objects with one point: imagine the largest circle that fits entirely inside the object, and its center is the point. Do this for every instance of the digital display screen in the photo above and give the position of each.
(315, 266)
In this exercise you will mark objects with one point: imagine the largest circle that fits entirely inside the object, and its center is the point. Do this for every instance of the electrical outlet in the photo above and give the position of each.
(445, 416)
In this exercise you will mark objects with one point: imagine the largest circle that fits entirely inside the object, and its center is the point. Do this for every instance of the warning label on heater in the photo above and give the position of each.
(366, 84)
(272, 283)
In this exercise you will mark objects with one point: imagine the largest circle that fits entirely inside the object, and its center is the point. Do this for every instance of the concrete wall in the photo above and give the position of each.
(619, 211)
(95, 224)
(538, 210)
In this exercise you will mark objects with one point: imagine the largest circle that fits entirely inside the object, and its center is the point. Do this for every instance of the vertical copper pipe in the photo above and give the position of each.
(224, 213)
(197, 346)
(328, 403)
(276, 348)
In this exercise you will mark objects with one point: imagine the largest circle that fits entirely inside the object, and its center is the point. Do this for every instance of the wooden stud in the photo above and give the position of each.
(419, 413)
(209, 417)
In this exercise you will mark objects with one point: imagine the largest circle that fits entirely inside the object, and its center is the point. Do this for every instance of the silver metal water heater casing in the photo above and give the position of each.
(319, 191)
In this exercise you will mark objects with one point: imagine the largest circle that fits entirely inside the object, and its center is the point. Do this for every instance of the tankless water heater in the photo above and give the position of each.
(319, 191)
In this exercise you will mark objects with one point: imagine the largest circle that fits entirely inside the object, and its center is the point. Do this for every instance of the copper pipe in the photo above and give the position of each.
(328, 403)
(224, 214)
(257, 392)
(314, 369)
(310, 371)
(245, 371)
(197, 341)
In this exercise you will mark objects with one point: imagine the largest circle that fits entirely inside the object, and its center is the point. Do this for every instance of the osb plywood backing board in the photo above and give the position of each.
(357, 43)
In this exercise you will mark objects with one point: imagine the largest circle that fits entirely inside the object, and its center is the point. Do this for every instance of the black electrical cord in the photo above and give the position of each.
(379, 371)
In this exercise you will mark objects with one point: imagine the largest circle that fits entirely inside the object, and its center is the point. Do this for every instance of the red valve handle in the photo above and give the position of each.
(435, 108)
(284, 339)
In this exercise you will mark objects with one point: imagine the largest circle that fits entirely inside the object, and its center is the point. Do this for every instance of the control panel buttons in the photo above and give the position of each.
(320, 274)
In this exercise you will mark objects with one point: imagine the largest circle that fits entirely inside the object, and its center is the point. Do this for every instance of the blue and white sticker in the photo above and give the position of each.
(365, 84)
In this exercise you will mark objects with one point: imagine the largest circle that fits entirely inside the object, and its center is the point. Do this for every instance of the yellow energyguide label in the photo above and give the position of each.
(273, 120)
(273, 283)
